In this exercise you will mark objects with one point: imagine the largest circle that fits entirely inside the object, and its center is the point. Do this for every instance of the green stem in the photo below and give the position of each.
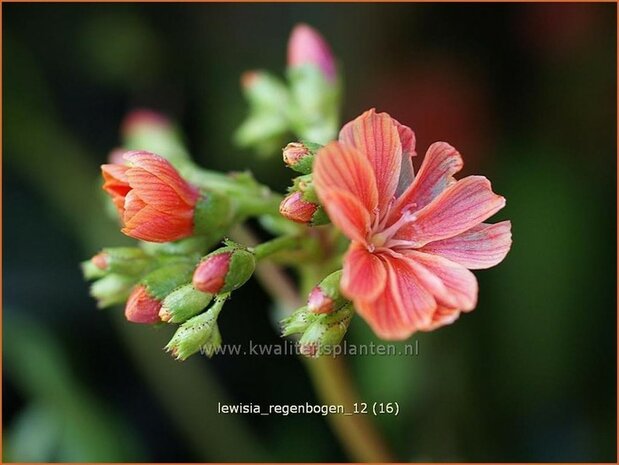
(266, 249)
(329, 375)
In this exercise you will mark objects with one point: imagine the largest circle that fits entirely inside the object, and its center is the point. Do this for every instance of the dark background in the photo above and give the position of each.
(526, 92)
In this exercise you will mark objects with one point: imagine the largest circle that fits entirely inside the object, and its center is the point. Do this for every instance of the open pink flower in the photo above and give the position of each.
(154, 202)
(414, 238)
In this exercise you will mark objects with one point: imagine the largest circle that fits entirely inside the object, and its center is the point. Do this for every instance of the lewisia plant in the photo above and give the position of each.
(368, 229)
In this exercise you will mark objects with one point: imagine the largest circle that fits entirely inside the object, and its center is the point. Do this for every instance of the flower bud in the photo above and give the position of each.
(307, 46)
(144, 120)
(167, 278)
(224, 270)
(142, 307)
(183, 303)
(154, 202)
(325, 332)
(264, 91)
(148, 130)
(299, 157)
(124, 260)
(91, 271)
(297, 322)
(326, 297)
(295, 208)
(146, 299)
(199, 333)
(112, 289)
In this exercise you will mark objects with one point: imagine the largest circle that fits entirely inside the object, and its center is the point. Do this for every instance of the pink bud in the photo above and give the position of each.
(295, 152)
(143, 118)
(305, 46)
(210, 275)
(141, 307)
(296, 209)
(319, 302)
(100, 260)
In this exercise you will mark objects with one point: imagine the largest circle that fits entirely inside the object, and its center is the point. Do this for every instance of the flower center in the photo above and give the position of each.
(382, 236)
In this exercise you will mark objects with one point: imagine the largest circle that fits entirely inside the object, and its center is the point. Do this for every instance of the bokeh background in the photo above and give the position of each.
(526, 92)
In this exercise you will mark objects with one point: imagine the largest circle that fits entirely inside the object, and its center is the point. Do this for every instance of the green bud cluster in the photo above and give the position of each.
(307, 106)
(198, 334)
(319, 332)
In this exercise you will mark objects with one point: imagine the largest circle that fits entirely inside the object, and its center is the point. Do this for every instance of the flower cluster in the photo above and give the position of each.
(391, 243)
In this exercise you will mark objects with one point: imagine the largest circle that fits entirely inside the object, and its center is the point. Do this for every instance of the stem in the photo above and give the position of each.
(273, 246)
(329, 375)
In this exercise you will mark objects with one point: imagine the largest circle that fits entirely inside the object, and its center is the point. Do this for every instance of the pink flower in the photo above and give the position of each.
(155, 204)
(414, 238)
(307, 46)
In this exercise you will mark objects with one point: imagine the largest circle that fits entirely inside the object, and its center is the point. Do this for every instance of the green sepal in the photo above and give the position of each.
(242, 266)
(319, 217)
(315, 103)
(130, 261)
(213, 216)
(112, 289)
(184, 303)
(164, 280)
(268, 121)
(183, 247)
(326, 331)
(297, 322)
(213, 343)
(330, 286)
(197, 334)
(91, 271)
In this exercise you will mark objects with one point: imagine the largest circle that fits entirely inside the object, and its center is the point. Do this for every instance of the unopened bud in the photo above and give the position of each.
(264, 91)
(295, 208)
(130, 261)
(297, 322)
(199, 333)
(307, 46)
(224, 270)
(144, 119)
(183, 303)
(146, 299)
(91, 271)
(326, 296)
(142, 307)
(326, 332)
(112, 289)
(298, 157)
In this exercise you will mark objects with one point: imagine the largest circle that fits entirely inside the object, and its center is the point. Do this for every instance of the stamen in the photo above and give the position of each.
(381, 238)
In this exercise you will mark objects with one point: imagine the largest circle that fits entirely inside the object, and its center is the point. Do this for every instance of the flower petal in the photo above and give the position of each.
(158, 182)
(439, 165)
(364, 275)
(460, 207)
(480, 247)
(405, 305)
(459, 286)
(145, 222)
(348, 214)
(343, 168)
(376, 136)
(442, 316)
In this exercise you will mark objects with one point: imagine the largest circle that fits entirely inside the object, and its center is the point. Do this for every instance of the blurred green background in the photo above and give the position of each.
(526, 92)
